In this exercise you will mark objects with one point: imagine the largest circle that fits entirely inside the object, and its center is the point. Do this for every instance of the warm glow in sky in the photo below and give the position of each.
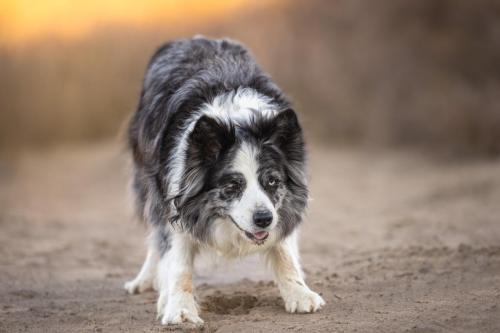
(21, 20)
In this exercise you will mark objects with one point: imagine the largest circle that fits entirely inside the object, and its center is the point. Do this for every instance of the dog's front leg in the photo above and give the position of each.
(298, 297)
(176, 302)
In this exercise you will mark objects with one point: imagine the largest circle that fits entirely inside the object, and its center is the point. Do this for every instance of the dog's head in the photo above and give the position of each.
(250, 174)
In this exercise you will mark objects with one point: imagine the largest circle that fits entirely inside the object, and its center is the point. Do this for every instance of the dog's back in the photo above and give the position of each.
(181, 76)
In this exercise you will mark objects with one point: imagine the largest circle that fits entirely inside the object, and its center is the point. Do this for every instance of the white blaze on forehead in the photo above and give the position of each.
(240, 106)
(246, 162)
(254, 197)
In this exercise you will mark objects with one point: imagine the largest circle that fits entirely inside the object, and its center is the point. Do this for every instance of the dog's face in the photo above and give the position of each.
(253, 189)
(252, 176)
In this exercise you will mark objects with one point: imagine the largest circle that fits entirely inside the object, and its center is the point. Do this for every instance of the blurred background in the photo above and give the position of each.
(387, 73)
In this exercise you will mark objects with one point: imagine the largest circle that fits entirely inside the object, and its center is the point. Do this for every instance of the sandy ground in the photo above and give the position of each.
(395, 242)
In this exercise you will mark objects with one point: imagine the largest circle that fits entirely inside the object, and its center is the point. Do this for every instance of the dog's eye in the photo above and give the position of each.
(273, 182)
(233, 187)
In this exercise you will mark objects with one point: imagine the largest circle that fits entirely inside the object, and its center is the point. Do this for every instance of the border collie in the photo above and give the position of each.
(219, 164)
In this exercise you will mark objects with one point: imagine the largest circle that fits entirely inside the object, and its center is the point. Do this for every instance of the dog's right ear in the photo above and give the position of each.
(208, 139)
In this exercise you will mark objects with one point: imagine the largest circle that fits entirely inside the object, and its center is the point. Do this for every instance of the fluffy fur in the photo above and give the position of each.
(219, 164)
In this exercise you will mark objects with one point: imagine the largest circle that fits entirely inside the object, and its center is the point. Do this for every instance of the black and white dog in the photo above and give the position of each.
(219, 164)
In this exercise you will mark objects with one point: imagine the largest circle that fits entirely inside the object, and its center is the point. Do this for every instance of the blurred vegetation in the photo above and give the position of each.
(390, 73)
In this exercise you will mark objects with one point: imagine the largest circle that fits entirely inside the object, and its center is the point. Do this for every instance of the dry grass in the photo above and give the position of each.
(384, 73)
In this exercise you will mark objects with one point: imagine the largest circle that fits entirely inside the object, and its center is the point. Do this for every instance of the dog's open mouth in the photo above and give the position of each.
(257, 237)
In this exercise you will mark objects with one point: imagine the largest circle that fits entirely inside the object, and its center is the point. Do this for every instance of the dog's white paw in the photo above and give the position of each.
(138, 286)
(180, 316)
(180, 310)
(302, 300)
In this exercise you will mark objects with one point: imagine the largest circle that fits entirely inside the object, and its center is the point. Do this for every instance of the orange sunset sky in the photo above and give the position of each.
(23, 20)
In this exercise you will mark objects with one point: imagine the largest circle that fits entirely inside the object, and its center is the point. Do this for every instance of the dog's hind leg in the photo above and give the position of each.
(145, 280)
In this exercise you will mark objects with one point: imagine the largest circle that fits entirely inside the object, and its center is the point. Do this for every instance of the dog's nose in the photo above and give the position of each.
(262, 218)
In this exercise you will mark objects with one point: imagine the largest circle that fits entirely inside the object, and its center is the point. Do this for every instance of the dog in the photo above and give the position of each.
(219, 164)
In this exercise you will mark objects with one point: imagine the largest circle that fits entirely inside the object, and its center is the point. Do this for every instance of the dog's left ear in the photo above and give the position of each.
(286, 133)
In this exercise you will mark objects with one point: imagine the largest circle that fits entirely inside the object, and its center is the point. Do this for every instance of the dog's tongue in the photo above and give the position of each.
(260, 235)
